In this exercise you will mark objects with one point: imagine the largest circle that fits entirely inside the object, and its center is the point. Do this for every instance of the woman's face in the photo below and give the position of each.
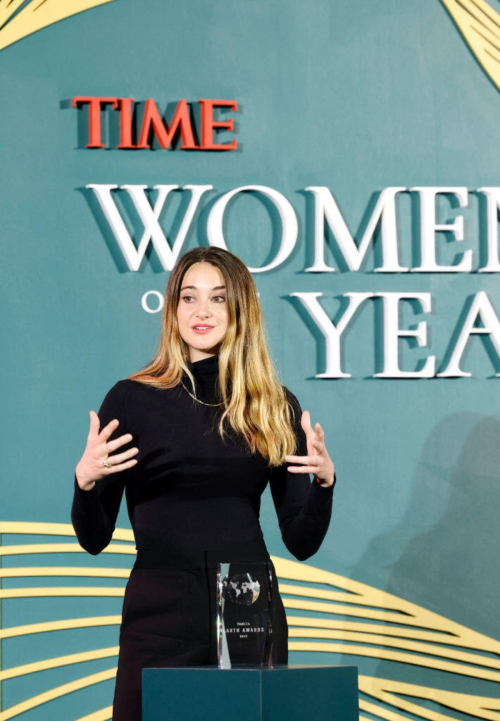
(203, 302)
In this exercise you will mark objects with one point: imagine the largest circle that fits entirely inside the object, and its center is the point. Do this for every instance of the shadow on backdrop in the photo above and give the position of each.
(443, 554)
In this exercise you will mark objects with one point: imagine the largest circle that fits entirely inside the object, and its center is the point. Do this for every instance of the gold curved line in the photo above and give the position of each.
(66, 625)
(477, 12)
(468, 639)
(62, 548)
(492, 56)
(57, 692)
(35, 17)
(399, 657)
(481, 32)
(55, 529)
(77, 571)
(488, 11)
(379, 640)
(381, 712)
(8, 8)
(36, 528)
(340, 610)
(416, 615)
(441, 638)
(38, 592)
(418, 710)
(388, 691)
(467, 15)
(57, 662)
(298, 571)
(355, 599)
(369, 628)
(104, 714)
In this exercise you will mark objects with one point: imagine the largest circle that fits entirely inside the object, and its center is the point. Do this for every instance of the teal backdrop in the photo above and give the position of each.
(351, 95)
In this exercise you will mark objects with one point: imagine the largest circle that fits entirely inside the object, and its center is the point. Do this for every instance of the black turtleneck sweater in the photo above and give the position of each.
(189, 490)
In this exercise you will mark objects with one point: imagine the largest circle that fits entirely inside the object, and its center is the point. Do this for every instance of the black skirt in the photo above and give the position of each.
(167, 617)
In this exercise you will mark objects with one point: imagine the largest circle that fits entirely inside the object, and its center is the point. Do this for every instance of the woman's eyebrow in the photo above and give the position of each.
(217, 287)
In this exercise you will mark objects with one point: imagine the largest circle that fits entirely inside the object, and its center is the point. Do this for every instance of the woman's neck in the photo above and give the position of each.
(205, 372)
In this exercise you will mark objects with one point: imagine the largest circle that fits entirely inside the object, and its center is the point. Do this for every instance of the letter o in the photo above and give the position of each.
(144, 301)
(289, 225)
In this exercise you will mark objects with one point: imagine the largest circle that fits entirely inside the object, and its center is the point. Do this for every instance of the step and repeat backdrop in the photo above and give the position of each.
(348, 152)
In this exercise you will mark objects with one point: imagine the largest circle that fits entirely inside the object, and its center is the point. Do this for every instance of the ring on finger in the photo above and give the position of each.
(105, 463)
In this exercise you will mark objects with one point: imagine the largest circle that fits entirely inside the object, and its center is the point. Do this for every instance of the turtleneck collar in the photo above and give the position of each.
(205, 366)
(205, 372)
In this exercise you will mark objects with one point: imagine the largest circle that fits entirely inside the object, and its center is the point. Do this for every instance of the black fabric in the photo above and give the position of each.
(190, 497)
(168, 621)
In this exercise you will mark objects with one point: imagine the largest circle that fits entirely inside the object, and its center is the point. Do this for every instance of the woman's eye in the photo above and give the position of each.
(190, 297)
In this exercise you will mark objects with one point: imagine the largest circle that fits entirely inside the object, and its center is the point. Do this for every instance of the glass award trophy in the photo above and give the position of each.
(244, 618)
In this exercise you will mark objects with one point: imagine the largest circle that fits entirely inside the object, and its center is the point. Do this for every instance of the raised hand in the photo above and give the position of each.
(317, 460)
(91, 466)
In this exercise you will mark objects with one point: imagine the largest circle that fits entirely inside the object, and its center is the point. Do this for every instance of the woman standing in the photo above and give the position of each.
(193, 439)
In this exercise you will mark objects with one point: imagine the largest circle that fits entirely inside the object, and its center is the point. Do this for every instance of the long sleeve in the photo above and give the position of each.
(303, 507)
(94, 512)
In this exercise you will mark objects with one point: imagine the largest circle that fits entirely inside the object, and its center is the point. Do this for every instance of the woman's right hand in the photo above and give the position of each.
(90, 467)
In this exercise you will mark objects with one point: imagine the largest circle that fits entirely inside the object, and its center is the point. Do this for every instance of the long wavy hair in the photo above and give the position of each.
(255, 404)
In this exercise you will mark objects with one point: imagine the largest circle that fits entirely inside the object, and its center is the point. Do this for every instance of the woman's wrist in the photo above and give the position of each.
(323, 483)
(82, 485)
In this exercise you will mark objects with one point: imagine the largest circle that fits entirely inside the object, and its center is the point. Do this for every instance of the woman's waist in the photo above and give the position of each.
(188, 556)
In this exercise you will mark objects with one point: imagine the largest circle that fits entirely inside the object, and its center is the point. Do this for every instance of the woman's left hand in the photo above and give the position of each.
(317, 460)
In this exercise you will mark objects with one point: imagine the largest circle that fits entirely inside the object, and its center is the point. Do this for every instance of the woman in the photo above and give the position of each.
(194, 438)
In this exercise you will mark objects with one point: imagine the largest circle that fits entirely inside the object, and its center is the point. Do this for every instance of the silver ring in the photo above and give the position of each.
(105, 463)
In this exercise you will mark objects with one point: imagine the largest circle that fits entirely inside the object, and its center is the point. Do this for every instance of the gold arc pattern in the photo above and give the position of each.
(407, 633)
(57, 692)
(383, 626)
(479, 24)
(32, 628)
(36, 15)
(391, 691)
(477, 21)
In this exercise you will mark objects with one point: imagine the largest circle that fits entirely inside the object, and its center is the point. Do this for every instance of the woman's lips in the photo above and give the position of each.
(201, 332)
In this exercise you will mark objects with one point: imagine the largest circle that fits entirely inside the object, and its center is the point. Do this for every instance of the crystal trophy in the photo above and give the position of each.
(244, 614)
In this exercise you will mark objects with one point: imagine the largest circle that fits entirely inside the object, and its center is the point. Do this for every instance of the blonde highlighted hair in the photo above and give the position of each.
(255, 403)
